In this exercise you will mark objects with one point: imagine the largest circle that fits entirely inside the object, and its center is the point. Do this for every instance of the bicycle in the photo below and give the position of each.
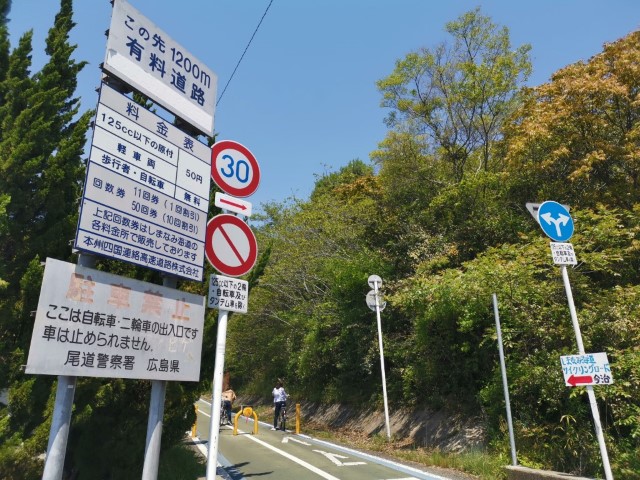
(223, 415)
(282, 418)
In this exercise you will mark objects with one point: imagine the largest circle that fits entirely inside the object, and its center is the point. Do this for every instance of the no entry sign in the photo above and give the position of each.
(230, 245)
(234, 168)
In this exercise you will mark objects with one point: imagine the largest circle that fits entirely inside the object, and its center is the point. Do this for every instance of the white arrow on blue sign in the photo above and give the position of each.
(555, 220)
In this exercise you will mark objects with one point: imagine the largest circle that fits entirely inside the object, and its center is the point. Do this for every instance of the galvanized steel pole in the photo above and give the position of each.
(216, 394)
(156, 414)
(505, 385)
(384, 379)
(590, 393)
(59, 432)
(61, 419)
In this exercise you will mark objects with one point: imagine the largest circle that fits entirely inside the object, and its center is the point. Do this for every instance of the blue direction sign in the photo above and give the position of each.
(555, 221)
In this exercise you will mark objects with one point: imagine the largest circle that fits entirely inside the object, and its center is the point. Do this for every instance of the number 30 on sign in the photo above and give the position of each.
(234, 168)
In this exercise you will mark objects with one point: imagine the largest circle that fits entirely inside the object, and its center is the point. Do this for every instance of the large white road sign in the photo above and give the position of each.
(94, 324)
(153, 63)
(146, 192)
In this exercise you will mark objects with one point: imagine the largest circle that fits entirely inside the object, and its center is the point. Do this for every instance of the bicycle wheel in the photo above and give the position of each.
(282, 423)
(223, 417)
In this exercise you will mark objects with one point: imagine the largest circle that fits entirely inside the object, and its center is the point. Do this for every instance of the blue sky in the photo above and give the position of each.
(304, 99)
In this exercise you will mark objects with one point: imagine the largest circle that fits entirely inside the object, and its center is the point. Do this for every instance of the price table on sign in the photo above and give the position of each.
(146, 191)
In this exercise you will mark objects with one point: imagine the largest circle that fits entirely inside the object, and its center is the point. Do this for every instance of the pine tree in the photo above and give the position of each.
(40, 155)
(42, 137)
(5, 5)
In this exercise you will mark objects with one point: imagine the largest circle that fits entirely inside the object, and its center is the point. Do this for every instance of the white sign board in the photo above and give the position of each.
(587, 369)
(563, 254)
(375, 301)
(145, 57)
(232, 204)
(95, 324)
(146, 192)
(226, 293)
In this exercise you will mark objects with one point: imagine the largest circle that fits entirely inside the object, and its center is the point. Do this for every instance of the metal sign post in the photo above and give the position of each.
(505, 385)
(231, 248)
(374, 281)
(156, 414)
(62, 409)
(590, 393)
(557, 224)
(216, 395)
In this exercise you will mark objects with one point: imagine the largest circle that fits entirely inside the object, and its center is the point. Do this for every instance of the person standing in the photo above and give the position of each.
(279, 401)
(228, 397)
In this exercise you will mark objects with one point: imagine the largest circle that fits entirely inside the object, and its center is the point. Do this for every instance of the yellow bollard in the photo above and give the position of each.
(247, 412)
(195, 424)
(297, 418)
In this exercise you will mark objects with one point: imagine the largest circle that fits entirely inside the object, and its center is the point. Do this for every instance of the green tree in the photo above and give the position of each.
(40, 159)
(459, 96)
(308, 308)
(576, 137)
(5, 6)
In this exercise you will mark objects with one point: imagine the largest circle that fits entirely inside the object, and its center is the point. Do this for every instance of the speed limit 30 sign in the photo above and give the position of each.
(234, 168)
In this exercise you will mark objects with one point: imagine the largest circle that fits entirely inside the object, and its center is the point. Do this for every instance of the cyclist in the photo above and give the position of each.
(228, 397)
(279, 401)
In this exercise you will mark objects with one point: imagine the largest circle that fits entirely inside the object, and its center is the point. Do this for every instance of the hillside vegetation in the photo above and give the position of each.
(439, 213)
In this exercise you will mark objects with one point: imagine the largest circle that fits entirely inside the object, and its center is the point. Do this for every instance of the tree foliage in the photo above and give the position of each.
(440, 216)
(443, 221)
(42, 138)
(577, 136)
(459, 95)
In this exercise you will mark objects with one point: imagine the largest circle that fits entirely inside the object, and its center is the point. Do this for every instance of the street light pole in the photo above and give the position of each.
(374, 280)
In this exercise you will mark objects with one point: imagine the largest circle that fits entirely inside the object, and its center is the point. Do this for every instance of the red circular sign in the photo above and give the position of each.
(230, 245)
(234, 168)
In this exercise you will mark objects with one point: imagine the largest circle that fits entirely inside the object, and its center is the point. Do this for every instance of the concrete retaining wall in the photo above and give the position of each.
(524, 473)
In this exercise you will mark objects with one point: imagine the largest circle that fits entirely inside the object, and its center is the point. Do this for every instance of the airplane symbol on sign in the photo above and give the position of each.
(562, 220)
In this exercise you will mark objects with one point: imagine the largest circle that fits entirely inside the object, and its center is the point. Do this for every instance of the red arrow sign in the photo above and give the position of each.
(233, 204)
(574, 380)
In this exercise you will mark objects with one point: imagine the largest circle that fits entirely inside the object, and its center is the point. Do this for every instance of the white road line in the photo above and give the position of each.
(334, 457)
(297, 460)
(406, 478)
(373, 458)
(378, 460)
(201, 447)
(286, 440)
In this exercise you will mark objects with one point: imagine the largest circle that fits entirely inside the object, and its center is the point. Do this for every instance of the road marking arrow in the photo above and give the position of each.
(286, 440)
(574, 380)
(334, 458)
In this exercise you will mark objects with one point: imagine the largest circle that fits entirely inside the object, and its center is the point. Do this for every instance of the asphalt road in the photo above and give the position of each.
(285, 455)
